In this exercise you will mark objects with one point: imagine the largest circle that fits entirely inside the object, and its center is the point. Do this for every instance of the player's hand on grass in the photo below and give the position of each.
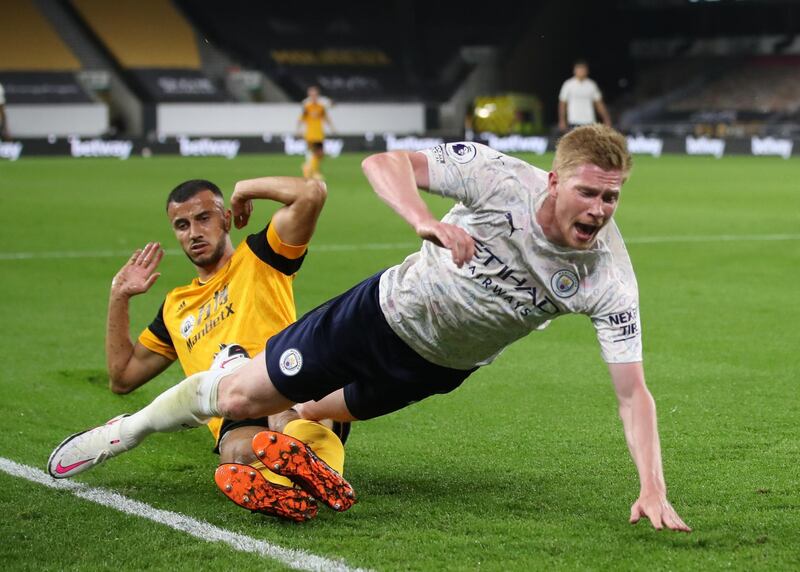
(656, 507)
(449, 236)
(139, 273)
(241, 209)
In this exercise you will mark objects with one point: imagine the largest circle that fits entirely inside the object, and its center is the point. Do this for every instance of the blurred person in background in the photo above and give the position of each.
(579, 98)
(310, 123)
(3, 121)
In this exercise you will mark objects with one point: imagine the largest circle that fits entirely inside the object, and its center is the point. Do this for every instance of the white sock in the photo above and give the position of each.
(189, 404)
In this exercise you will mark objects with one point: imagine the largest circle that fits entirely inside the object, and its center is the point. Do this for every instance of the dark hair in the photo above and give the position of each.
(581, 62)
(187, 189)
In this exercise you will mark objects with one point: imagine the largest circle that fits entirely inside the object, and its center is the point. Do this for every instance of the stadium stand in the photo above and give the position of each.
(154, 46)
(721, 96)
(354, 52)
(35, 65)
(29, 43)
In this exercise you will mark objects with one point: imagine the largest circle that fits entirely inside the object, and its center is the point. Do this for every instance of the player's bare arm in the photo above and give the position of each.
(131, 365)
(395, 176)
(602, 111)
(3, 124)
(562, 115)
(637, 410)
(303, 200)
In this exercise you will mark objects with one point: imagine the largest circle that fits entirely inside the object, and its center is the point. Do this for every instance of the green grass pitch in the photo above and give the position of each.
(524, 467)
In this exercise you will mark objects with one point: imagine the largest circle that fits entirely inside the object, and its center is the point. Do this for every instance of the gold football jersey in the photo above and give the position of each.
(246, 302)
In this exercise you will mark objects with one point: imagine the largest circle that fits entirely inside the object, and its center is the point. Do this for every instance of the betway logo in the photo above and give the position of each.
(771, 146)
(410, 143)
(295, 146)
(517, 143)
(100, 148)
(205, 147)
(10, 151)
(646, 145)
(705, 146)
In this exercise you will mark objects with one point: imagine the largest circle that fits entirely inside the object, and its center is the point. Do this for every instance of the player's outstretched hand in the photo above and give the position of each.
(139, 273)
(449, 236)
(656, 507)
(241, 209)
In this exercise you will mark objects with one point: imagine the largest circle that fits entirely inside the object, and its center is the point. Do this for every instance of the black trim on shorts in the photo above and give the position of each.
(340, 428)
(259, 244)
(159, 328)
(230, 425)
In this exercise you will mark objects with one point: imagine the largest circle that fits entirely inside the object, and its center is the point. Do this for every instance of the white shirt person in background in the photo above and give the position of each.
(579, 98)
(3, 120)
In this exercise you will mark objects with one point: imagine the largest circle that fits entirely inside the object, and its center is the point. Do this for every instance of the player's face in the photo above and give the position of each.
(313, 93)
(201, 226)
(585, 201)
(581, 71)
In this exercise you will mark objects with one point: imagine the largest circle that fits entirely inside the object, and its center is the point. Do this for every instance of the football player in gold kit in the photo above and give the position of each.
(314, 115)
(241, 296)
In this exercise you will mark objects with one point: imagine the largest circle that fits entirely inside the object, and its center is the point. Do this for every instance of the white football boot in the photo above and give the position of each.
(230, 357)
(82, 451)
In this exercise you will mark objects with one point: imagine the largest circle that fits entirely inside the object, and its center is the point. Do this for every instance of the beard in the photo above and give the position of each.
(204, 261)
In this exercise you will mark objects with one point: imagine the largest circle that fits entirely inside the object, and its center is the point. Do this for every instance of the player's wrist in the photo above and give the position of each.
(652, 486)
(119, 295)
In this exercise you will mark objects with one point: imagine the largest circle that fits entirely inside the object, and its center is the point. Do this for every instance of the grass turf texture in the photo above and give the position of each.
(524, 467)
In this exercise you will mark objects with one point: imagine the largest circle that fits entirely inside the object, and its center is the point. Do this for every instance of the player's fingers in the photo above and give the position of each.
(674, 522)
(144, 257)
(456, 245)
(135, 256)
(655, 519)
(149, 254)
(470, 253)
(635, 514)
(151, 280)
(155, 258)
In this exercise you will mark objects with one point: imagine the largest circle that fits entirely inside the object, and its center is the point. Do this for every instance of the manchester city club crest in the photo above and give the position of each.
(564, 283)
(291, 362)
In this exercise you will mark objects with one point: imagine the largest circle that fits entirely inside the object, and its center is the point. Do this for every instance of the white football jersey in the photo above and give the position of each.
(580, 96)
(518, 281)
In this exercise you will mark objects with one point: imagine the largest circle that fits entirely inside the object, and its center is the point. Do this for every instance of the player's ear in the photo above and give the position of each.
(228, 217)
(552, 184)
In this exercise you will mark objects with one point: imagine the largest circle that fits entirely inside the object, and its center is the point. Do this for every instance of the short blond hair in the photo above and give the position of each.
(596, 144)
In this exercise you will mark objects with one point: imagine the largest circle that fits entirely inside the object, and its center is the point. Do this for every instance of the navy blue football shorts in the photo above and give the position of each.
(347, 343)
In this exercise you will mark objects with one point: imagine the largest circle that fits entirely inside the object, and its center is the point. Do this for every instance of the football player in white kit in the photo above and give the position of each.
(521, 247)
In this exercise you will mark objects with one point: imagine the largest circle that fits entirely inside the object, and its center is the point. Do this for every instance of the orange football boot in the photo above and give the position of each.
(248, 488)
(291, 458)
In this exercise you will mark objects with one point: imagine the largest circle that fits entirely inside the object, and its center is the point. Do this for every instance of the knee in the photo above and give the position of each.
(233, 449)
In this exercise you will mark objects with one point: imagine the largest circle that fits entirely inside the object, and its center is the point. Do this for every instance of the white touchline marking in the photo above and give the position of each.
(297, 559)
(410, 246)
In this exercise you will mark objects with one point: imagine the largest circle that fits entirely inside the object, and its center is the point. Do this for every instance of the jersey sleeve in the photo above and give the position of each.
(156, 338)
(270, 249)
(462, 171)
(616, 320)
(596, 94)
